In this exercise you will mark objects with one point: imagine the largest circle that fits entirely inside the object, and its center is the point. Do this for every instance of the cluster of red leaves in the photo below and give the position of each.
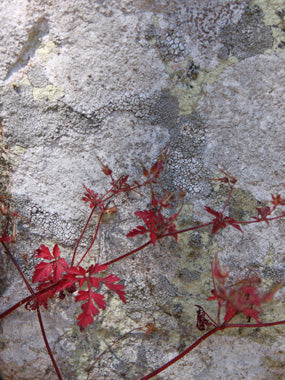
(54, 275)
(276, 201)
(241, 297)
(5, 238)
(156, 225)
(93, 200)
(155, 171)
(266, 211)
(221, 221)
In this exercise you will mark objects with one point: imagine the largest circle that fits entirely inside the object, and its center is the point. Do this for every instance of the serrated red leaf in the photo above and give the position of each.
(82, 295)
(110, 279)
(99, 299)
(139, 230)
(88, 308)
(59, 267)
(56, 252)
(95, 281)
(52, 270)
(96, 268)
(84, 320)
(42, 272)
(221, 221)
(43, 253)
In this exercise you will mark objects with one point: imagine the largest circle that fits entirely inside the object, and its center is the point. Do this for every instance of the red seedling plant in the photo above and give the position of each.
(57, 277)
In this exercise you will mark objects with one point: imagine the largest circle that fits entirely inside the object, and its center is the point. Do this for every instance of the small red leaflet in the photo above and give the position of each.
(221, 221)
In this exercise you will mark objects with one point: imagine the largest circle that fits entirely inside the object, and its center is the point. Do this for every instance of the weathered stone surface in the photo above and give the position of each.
(119, 80)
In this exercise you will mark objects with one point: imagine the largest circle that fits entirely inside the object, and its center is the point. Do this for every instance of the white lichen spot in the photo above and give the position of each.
(47, 50)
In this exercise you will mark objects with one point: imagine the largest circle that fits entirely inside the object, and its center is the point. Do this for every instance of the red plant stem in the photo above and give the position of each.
(204, 337)
(81, 235)
(92, 366)
(183, 353)
(261, 220)
(94, 238)
(128, 254)
(187, 229)
(47, 345)
(38, 310)
(254, 325)
(228, 199)
(12, 258)
(158, 237)
(27, 299)
(20, 303)
(14, 307)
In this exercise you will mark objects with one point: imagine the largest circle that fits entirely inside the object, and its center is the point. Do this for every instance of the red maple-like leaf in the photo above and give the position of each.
(156, 225)
(109, 281)
(51, 270)
(277, 201)
(156, 169)
(93, 199)
(221, 221)
(94, 300)
(88, 308)
(263, 214)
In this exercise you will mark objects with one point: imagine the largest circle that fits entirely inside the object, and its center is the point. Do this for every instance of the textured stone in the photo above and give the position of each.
(118, 80)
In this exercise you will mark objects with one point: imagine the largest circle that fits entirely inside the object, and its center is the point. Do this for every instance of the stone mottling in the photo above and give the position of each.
(249, 37)
(120, 79)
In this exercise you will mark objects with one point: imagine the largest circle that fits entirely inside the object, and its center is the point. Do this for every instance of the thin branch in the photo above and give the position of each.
(94, 238)
(183, 353)
(38, 310)
(47, 345)
(81, 235)
(221, 327)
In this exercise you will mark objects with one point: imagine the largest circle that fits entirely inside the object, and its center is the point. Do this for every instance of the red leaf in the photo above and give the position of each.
(88, 308)
(263, 214)
(82, 295)
(42, 272)
(277, 200)
(221, 221)
(96, 268)
(99, 299)
(56, 251)
(84, 320)
(94, 281)
(43, 253)
(5, 238)
(59, 267)
(110, 279)
(74, 274)
(156, 223)
(117, 288)
(232, 222)
(52, 270)
(139, 230)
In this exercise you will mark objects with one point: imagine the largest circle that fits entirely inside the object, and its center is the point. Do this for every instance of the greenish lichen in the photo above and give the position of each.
(50, 92)
(274, 16)
(189, 90)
